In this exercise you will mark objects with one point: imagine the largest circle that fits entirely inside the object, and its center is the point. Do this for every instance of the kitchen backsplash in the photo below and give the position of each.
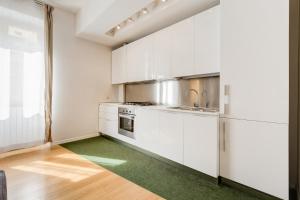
(183, 92)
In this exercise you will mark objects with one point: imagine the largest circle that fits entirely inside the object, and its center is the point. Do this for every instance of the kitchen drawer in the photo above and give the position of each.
(108, 109)
(109, 116)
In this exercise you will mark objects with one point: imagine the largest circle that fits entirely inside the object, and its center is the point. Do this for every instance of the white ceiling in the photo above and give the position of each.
(68, 5)
(96, 17)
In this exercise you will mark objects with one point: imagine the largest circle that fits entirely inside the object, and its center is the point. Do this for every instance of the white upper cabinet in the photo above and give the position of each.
(162, 54)
(189, 47)
(255, 59)
(119, 60)
(255, 154)
(182, 48)
(140, 60)
(207, 41)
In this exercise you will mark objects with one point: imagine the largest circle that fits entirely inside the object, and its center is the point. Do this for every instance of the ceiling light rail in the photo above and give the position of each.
(136, 16)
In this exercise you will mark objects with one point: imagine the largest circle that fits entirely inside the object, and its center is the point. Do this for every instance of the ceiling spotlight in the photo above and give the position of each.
(145, 11)
(164, 1)
(118, 27)
(129, 20)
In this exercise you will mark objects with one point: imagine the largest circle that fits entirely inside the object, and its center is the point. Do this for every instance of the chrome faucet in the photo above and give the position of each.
(204, 95)
(196, 104)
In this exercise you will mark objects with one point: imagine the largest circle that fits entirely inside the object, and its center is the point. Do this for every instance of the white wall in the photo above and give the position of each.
(81, 79)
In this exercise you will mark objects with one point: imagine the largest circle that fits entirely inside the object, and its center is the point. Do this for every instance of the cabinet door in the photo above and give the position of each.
(170, 140)
(140, 60)
(201, 146)
(162, 53)
(108, 119)
(255, 59)
(119, 65)
(255, 154)
(207, 41)
(182, 49)
(108, 127)
(146, 129)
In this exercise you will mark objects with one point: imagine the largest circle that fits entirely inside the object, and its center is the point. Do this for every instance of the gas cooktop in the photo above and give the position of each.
(139, 103)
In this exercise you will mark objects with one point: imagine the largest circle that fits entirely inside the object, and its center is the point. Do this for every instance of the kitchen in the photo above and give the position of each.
(196, 115)
(156, 99)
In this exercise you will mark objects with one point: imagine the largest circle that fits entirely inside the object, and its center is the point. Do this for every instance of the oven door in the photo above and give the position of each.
(126, 125)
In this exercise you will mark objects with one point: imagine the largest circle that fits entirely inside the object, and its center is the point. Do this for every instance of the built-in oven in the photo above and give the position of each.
(126, 121)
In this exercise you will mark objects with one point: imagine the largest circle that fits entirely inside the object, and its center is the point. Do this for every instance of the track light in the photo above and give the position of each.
(130, 20)
(154, 5)
(145, 11)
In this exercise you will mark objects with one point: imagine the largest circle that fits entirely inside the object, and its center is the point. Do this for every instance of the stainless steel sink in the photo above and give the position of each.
(199, 109)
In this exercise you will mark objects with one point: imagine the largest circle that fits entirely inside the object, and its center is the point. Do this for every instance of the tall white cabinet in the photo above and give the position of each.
(254, 94)
(255, 59)
(255, 154)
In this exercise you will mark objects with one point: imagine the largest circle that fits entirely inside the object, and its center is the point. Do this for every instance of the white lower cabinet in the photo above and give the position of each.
(201, 146)
(170, 140)
(108, 120)
(108, 127)
(185, 138)
(255, 154)
(160, 132)
(146, 129)
(188, 139)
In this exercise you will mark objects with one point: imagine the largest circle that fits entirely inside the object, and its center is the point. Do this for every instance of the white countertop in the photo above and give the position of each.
(167, 108)
(162, 108)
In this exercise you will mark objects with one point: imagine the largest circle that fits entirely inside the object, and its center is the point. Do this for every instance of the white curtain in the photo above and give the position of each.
(22, 74)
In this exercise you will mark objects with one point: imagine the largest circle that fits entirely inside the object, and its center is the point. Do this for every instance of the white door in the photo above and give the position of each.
(119, 65)
(182, 48)
(207, 41)
(255, 154)
(255, 59)
(140, 60)
(162, 53)
(170, 140)
(201, 146)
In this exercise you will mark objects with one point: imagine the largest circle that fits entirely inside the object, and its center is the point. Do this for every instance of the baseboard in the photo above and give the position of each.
(25, 150)
(75, 138)
(249, 190)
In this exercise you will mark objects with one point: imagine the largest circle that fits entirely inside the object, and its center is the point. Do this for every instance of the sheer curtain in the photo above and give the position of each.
(22, 74)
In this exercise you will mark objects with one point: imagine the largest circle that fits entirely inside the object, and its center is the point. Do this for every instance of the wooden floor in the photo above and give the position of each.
(57, 173)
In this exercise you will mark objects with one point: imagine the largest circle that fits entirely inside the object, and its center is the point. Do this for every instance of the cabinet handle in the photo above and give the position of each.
(226, 99)
(224, 135)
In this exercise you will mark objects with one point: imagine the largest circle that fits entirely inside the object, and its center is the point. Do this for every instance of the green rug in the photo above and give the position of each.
(157, 176)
